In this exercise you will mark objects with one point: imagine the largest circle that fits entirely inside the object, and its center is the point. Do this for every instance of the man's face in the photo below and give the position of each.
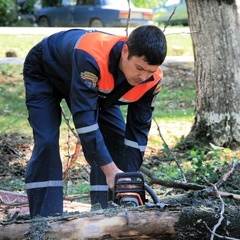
(135, 69)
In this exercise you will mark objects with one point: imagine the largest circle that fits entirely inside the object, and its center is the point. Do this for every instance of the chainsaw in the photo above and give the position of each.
(130, 190)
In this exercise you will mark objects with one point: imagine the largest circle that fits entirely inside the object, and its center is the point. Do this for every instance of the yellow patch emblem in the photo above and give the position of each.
(89, 79)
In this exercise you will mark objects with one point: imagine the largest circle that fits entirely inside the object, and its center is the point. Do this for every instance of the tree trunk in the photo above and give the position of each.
(215, 32)
(187, 216)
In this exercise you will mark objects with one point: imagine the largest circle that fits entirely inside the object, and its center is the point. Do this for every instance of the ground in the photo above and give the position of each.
(15, 149)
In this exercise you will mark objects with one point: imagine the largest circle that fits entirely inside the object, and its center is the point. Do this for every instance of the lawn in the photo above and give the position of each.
(22, 43)
(175, 102)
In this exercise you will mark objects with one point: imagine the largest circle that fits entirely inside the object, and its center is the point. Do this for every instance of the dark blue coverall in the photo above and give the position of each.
(53, 70)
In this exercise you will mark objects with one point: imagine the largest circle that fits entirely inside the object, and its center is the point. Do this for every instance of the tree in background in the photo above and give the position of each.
(26, 7)
(8, 12)
(215, 31)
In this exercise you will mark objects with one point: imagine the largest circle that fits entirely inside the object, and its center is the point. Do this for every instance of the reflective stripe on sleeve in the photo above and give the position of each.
(134, 145)
(99, 188)
(87, 129)
(43, 184)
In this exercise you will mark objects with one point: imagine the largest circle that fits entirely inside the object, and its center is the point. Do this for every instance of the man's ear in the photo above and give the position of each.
(125, 49)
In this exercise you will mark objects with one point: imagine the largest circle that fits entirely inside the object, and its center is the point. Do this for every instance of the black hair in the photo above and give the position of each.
(148, 41)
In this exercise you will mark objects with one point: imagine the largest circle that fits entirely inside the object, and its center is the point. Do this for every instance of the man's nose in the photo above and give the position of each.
(143, 76)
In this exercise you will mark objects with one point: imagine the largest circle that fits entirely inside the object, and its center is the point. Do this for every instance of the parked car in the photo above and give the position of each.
(92, 13)
(180, 16)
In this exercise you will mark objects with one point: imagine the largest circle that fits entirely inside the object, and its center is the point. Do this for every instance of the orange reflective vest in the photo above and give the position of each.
(100, 50)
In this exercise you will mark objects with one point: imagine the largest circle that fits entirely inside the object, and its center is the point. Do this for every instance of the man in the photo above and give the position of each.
(94, 72)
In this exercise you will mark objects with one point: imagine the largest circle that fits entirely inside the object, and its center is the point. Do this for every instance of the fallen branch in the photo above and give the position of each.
(191, 186)
(224, 178)
(219, 236)
(74, 157)
(213, 232)
(68, 123)
(228, 195)
(172, 184)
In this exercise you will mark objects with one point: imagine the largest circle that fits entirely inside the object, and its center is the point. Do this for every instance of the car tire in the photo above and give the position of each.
(96, 23)
(43, 22)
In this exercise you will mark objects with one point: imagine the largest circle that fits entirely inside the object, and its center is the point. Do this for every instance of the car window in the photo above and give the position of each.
(85, 2)
(69, 2)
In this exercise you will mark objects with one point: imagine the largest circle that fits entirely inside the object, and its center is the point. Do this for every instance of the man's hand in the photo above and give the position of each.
(110, 170)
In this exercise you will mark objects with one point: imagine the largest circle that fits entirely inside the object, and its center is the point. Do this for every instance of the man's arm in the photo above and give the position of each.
(84, 108)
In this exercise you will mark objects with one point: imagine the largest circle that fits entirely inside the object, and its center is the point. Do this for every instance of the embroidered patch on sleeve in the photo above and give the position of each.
(89, 79)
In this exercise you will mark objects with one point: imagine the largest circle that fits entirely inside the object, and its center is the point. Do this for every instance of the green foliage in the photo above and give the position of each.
(27, 7)
(149, 3)
(10, 70)
(200, 163)
(206, 163)
(8, 12)
(168, 171)
(12, 184)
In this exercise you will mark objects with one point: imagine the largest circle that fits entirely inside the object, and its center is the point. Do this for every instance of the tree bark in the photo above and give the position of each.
(215, 32)
(186, 216)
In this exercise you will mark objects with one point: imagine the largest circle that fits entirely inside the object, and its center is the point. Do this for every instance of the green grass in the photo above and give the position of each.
(20, 44)
(178, 44)
(175, 103)
(13, 112)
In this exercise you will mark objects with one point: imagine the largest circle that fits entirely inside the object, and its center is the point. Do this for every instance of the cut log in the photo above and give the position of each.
(188, 216)
(130, 224)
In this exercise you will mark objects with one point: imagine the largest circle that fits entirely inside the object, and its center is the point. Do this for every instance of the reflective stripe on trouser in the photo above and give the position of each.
(112, 126)
(99, 188)
(45, 164)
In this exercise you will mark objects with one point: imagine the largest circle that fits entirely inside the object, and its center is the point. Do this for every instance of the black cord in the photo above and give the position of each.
(152, 194)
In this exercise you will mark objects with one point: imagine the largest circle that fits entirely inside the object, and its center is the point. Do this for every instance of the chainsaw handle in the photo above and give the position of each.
(137, 176)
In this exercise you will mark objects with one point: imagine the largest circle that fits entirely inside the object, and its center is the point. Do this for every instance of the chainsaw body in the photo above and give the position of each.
(129, 189)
